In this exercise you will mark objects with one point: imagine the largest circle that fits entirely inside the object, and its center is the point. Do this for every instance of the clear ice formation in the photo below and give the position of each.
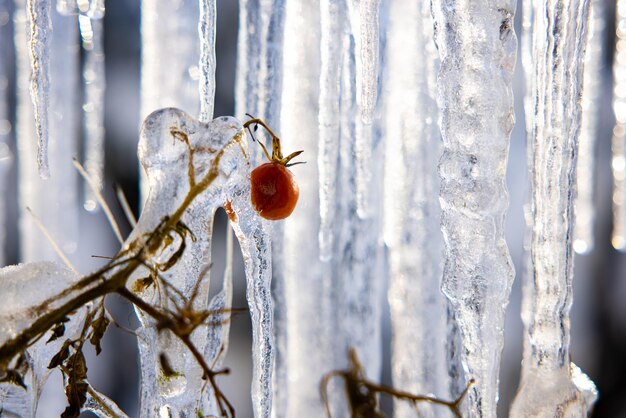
(477, 47)
(333, 15)
(259, 60)
(412, 212)
(618, 147)
(26, 287)
(39, 44)
(206, 28)
(53, 200)
(585, 167)
(364, 25)
(165, 162)
(167, 33)
(93, 107)
(550, 385)
(6, 156)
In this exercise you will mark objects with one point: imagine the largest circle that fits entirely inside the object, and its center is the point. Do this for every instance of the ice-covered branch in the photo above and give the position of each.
(548, 387)
(477, 47)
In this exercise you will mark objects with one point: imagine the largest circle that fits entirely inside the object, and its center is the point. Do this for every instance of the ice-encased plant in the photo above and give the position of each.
(163, 268)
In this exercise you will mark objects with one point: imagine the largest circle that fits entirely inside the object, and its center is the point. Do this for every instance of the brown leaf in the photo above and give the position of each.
(99, 327)
(13, 376)
(77, 386)
(60, 357)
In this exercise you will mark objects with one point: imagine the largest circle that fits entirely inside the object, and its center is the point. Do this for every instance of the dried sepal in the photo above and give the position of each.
(99, 327)
(58, 330)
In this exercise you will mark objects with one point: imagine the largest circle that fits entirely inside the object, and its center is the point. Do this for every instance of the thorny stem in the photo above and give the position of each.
(134, 255)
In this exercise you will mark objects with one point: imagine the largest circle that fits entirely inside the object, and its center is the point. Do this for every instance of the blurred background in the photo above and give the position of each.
(598, 318)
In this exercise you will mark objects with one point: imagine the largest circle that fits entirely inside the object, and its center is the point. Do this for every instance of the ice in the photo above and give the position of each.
(412, 213)
(477, 47)
(169, 32)
(93, 125)
(28, 288)
(618, 147)
(206, 28)
(165, 160)
(259, 59)
(40, 24)
(592, 83)
(54, 200)
(365, 28)
(6, 156)
(364, 25)
(102, 406)
(549, 385)
(299, 288)
(332, 21)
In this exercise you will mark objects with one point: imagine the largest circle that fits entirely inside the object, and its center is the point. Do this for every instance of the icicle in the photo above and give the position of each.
(550, 385)
(168, 35)
(477, 47)
(304, 288)
(412, 213)
(365, 27)
(585, 178)
(206, 28)
(39, 44)
(6, 156)
(618, 147)
(333, 22)
(53, 200)
(91, 31)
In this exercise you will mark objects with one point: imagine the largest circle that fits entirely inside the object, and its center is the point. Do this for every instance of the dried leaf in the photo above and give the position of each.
(99, 327)
(77, 386)
(60, 357)
(57, 332)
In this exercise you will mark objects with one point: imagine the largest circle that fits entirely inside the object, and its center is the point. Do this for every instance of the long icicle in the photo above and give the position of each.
(412, 212)
(477, 47)
(592, 84)
(6, 156)
(91, 31)
(40, 24)
(618, 147)
(550, 384)
(206, 28)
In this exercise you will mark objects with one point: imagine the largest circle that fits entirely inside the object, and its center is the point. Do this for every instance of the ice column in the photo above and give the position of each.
(303, 276)
(6, 157)
(477, 47)
(91, 30)
(39, 43)
(332, 22)
(169, 33)
(550, 386)
(618, 162)
(206, 28)
(259, 59)
(54, 200)
(412, 212)
(166, 164)
(592, 83)
(364, 25)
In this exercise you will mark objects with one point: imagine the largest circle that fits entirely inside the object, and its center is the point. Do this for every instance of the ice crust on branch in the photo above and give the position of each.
(165, 161)
(477, 47)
